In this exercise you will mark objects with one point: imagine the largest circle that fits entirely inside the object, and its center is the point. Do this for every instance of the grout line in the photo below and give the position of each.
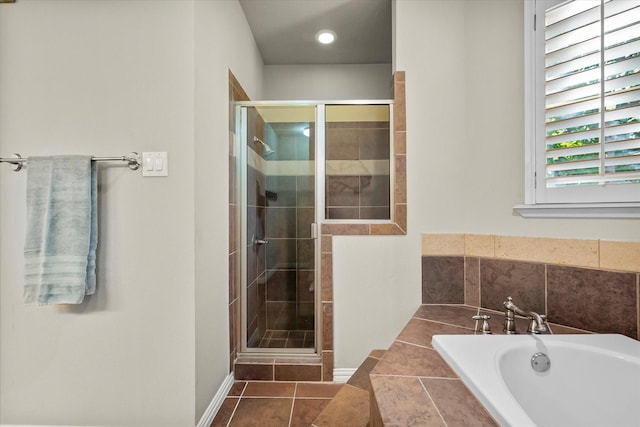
(449, 324)
(243, 389)
(233, 413)
(546, 290)
(599, 255)
(267, 397)
(480, 283)
(416, 345)
(464, 275)
(295, 390)
(432, 402)
(412, 376)
(293, 403)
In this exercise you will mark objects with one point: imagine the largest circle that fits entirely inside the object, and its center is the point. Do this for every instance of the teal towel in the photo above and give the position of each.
(62, 228)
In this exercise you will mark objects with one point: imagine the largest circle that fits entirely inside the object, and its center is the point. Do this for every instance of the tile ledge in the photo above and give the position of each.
(381, 395)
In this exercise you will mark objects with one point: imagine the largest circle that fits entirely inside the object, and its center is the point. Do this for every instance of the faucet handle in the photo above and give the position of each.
(485, 328)
(508, 303)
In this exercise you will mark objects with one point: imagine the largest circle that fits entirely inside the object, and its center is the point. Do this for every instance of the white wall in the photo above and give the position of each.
(105, 78)
(324, 82)
(464, 68)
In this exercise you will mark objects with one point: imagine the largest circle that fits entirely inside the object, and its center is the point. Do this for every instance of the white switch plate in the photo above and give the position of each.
(155, 164)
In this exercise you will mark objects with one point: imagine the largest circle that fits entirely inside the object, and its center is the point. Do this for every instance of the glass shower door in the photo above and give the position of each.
(278, 212)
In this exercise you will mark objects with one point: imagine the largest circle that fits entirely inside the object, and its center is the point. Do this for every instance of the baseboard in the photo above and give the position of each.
(205, 420)
(342, 375)
(216, 402)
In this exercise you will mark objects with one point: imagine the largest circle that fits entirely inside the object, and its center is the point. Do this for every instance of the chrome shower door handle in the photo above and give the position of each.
(262, 242)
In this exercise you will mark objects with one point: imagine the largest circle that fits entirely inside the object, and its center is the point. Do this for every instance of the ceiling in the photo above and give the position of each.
(285, 30)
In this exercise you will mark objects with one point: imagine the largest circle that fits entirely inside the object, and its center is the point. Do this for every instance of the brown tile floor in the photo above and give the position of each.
(274, 404)
(286, 339)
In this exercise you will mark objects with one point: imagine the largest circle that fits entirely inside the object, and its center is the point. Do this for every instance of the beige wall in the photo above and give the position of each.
(216, 21)
(327, 81)
(106, 78)
(464, 67)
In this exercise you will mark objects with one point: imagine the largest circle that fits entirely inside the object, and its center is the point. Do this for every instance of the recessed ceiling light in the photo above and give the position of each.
(326, 36)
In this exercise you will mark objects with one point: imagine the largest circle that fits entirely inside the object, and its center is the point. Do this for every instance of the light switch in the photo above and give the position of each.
(158, 164)
(155, 163)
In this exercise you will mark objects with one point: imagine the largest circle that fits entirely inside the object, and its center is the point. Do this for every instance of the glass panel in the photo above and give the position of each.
(280, 293)
(357, 168)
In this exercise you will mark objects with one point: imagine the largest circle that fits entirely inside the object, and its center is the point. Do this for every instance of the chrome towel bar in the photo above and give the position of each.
(133, 159)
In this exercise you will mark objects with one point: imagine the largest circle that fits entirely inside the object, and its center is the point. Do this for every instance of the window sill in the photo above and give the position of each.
(591, 210)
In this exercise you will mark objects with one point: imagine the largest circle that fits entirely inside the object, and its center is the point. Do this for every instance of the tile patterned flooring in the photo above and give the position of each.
(274, 404)
(300, 404)
(287, 339)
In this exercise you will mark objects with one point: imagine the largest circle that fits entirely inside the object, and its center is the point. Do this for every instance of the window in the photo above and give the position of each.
(583, 101)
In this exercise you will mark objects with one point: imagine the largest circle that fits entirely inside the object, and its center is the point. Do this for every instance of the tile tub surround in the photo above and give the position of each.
(413, 386)
(585, 284)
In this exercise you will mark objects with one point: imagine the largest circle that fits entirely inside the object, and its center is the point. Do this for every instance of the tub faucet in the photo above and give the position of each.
(537, 322)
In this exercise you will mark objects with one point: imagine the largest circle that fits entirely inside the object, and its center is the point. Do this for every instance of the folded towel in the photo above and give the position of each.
(62, 226)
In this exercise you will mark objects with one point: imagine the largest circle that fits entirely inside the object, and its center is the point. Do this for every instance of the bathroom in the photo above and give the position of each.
(110, 77)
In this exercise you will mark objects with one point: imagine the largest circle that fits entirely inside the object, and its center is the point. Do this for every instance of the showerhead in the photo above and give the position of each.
(266, 150)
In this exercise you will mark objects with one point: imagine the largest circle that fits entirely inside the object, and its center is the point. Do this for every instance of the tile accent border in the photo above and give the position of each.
(600, 254)
(591, 285)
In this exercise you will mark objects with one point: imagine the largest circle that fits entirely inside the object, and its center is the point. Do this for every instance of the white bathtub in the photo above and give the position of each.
(593, 380)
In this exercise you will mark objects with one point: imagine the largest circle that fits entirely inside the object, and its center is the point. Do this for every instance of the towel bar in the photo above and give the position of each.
(133, 159)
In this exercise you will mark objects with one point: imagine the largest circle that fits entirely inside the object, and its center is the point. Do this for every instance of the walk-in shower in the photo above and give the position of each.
(301, 164)
(278, 215)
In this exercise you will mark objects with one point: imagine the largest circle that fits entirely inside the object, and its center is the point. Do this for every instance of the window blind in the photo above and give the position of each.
(592, 93)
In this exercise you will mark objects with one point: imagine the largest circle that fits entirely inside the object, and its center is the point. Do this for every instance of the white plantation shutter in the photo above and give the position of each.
(591, 134)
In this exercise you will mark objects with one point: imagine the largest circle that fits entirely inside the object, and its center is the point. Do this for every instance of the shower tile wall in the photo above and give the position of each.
(256, 323)
(290, 257)
(354, 188)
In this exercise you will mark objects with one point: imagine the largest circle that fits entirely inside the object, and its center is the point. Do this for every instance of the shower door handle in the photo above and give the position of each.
(262, 242)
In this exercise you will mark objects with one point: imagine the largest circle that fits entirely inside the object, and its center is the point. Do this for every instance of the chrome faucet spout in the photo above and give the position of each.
(540, 325)
(536, 326)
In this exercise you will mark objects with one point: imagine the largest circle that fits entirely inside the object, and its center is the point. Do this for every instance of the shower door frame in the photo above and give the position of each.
(241, 147)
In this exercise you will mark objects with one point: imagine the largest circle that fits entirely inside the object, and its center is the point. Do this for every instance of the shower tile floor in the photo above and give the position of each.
(274, 404)
(287, 339)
